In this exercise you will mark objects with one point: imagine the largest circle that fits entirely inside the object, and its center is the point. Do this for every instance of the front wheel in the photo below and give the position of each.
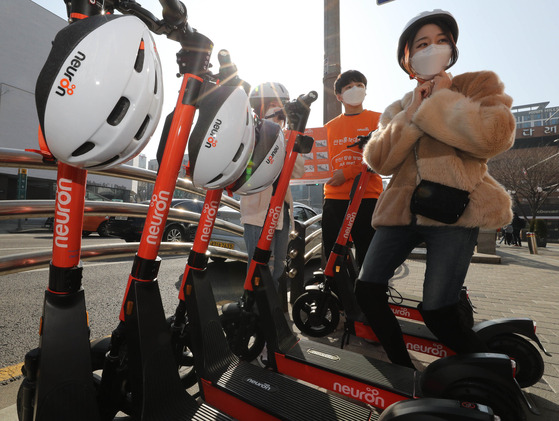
(244, 334)
(316, 313)
(529, 361)
(24, 400)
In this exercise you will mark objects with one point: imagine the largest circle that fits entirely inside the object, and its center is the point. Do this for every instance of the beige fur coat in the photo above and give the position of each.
(457, 130)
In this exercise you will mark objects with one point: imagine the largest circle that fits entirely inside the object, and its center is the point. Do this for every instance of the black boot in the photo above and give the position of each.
(447, 325)
(373, 301)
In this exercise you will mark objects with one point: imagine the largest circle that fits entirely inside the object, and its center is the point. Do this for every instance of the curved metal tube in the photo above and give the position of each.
(28, 261)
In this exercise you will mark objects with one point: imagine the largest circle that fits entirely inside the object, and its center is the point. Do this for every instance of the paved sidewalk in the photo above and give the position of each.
(522, 285)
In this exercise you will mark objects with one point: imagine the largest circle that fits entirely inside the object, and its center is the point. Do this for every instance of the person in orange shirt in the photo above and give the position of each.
(342, 131)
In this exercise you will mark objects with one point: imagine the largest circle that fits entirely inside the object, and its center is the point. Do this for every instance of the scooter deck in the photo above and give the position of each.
(281, 397)
(244, 390)
(357, 376)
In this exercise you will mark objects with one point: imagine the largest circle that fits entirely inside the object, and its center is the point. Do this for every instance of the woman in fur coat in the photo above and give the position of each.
(444, 131)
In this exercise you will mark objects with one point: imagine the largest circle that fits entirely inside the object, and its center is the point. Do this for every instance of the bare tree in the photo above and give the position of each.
(530, 174)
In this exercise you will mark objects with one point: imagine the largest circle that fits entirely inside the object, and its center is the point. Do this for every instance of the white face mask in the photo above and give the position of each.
(431, 60)
(354, 96)
(271, 113)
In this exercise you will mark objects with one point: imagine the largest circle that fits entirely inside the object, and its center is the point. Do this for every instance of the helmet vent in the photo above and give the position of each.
(143, 128)
(107, 162)
(83, 149)
(139, 64)
(239, 153)
(215, 179)
(155, 84)
(119, 111)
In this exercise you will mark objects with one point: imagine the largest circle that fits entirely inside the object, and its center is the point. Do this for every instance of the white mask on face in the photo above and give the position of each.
(271, 113)
(429, 62)
(354, 96)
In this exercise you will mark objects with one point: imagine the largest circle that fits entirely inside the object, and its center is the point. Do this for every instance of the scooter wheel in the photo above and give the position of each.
(24, 400)
(316, 313)
(99, 349)
(244, 337)
(503, 405)
(529, 361)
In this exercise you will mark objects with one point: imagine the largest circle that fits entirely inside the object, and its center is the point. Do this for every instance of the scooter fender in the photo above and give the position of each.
(489, 369)
(231, 309)
(320, 288)
(514, 325)
(429, 409)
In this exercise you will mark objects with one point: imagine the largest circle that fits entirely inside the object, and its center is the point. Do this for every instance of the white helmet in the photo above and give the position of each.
(100, 92)
(223, 139)
(266, 162)
(436, 16)
(266, 92)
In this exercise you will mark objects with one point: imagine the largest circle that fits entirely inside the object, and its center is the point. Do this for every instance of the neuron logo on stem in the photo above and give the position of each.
(62, 212)
(160, 205)
(210, 210)
(275, 212)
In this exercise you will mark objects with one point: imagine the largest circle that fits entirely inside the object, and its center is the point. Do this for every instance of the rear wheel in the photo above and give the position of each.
(503, 405)
(529, 361)
(316, 313)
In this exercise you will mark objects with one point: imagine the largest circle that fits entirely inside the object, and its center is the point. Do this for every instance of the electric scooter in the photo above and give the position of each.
(59, 383)
(316, 312)
(243, 390)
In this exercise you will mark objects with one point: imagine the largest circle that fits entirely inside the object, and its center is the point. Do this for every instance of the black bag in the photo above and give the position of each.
(439, 202)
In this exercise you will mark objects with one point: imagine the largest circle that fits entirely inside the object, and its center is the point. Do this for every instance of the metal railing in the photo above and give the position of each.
(18, 209)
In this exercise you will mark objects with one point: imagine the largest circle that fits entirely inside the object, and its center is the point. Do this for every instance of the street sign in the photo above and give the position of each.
(21, 183)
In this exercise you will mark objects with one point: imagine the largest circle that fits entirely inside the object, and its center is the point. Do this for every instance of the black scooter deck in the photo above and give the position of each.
(335, 362)
(246, 391)
(284, 398)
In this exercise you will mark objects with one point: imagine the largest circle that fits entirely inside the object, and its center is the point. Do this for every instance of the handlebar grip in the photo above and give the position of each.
(309, 98)
(224, 58)
(174, 12)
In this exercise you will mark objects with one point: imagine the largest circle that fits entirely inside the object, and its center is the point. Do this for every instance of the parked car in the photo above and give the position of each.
(301, 212)
(91, 223)
(130, 228)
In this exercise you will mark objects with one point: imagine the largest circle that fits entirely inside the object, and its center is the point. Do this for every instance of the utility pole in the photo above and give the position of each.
(332, 66)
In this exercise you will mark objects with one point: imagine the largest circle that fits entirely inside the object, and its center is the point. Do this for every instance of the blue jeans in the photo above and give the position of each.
(278, 247)
(449, 251)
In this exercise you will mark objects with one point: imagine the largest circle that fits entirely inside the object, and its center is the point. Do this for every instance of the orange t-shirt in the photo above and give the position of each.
(342, 132)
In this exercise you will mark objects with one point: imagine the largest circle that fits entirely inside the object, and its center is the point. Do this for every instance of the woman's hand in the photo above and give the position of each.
(337, 178)
(419, 94)
(442, 81)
